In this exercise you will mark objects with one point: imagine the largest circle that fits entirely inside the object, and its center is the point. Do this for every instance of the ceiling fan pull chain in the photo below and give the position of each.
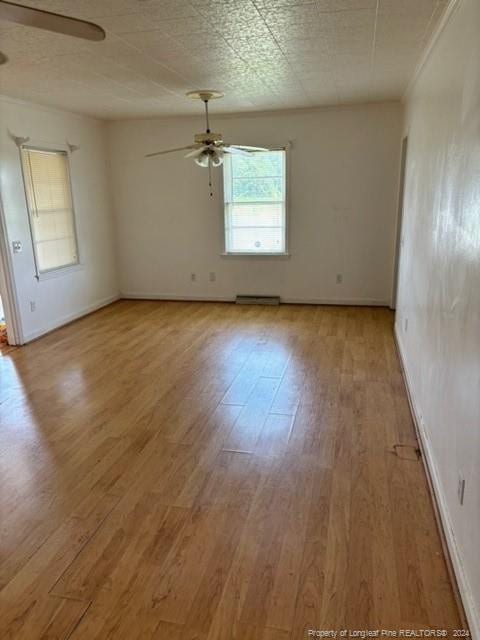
(210, 176)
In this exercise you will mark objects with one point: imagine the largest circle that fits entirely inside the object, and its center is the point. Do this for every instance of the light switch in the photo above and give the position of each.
(17, 246)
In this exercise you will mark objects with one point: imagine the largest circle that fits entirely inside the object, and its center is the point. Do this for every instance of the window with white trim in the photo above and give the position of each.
(255, 202)
(50, 206)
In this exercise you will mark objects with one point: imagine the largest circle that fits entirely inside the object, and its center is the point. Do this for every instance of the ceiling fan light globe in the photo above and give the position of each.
(202, 160)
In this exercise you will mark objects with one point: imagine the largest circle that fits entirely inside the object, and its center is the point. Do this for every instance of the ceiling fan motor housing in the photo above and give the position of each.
(207, 138)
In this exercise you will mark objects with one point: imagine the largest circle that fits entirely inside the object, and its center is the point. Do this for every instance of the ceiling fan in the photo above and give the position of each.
(209, 148)
(31, 17)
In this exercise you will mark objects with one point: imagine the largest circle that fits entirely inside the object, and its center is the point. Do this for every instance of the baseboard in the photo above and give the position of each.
(351, 302)
(347, 302)
(453, 555)
(70, 318)
(169, 296)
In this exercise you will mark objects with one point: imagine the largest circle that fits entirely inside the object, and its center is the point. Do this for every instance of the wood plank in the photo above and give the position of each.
(247, 428)
(46, 618)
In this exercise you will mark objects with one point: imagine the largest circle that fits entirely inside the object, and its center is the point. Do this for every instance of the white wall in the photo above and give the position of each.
(342, 191)
(94, 283)
(439, 289)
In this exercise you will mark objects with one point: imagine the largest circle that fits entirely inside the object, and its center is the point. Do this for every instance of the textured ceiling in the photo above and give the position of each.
(264, 54)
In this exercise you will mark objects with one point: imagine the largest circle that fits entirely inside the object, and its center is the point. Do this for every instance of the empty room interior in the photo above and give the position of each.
(239, 319)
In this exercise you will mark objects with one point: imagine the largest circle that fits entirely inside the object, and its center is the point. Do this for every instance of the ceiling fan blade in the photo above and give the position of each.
(197, 151)
(246, 148)
(41, 19)
(235, 150)
(160, 153)
(3, 58)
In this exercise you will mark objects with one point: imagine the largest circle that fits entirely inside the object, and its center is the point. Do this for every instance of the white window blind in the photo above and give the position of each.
(49, 199)
(255, 210)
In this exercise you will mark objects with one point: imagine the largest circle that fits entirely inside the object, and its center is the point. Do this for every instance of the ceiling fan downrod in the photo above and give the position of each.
(205, 100)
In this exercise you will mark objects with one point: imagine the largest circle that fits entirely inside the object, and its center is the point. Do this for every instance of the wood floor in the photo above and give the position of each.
(213, 472)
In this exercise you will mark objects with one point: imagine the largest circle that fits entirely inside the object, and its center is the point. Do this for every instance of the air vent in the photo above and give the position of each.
(269, 300)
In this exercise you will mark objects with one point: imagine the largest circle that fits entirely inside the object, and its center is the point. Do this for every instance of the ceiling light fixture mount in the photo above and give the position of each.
(205, 95)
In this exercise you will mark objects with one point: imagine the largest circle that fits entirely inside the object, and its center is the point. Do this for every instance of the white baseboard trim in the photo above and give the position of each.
(169, 296)
(456, 560)
(347, 302)
(69, 318)
(327, 301)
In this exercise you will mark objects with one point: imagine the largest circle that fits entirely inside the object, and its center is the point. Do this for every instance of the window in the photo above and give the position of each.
(50, 206)
(255, 211)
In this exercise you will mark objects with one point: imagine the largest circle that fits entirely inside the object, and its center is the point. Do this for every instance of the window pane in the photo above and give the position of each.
(52, 225)
(52, 253)
(257, 189)
(256, 215)
(257, 239)
(50, 206)
(49, 183)
(259, 164)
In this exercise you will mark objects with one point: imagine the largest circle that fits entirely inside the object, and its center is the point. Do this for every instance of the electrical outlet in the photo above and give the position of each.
(213, 276)
(33, 305)
(193, 277)
(339, 278)
(461, 489)
(405, 325)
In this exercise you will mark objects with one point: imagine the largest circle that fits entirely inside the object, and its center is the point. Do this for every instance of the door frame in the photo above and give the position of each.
(399, 238)
(8, 289)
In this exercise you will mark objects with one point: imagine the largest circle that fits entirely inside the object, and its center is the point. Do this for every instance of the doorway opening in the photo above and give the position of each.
(10, 333)
(3, 326)
(5, 345)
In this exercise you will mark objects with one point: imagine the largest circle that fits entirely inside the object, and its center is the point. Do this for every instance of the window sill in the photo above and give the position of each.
(226, 254)
(61, 271)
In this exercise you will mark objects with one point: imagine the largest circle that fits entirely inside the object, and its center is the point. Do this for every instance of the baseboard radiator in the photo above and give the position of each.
(268, 300)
